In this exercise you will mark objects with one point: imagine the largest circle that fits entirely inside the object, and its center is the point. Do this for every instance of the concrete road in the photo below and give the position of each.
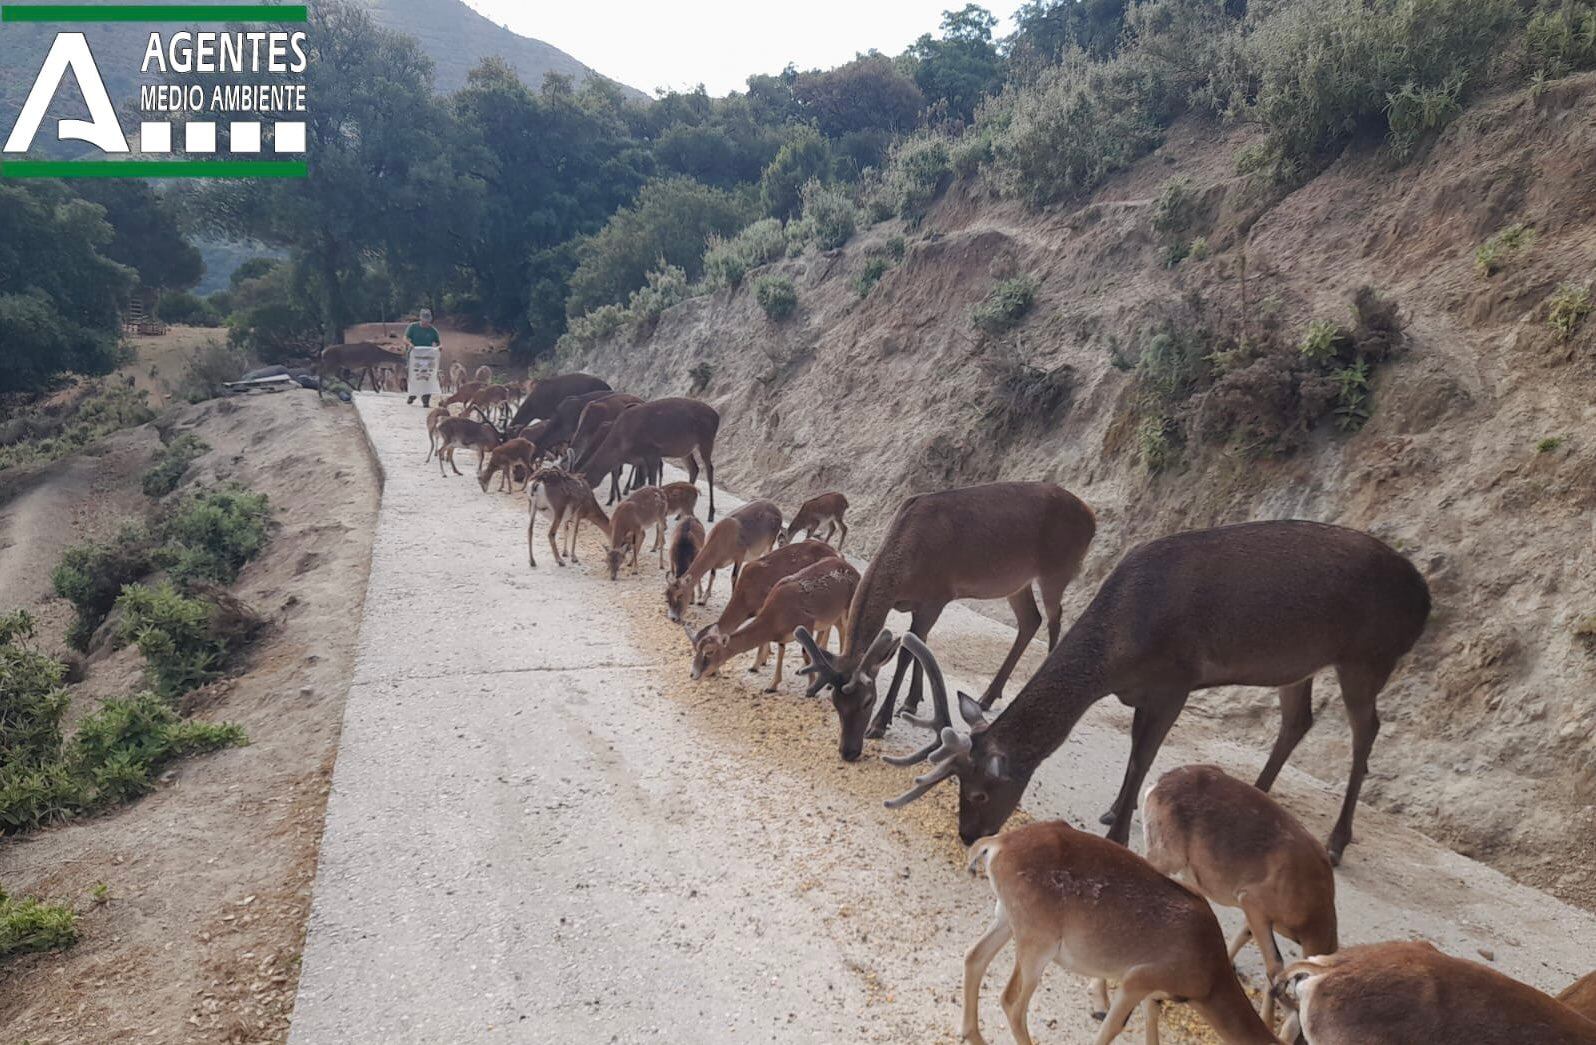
(541, 831)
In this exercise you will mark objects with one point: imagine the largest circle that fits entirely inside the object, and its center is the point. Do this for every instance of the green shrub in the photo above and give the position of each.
(729, 259)
(1006, 304)
(666, 286)
(26, 926)
(172, 464)
(1197, 250)
(870, 275)
(776, 295)
(181, 648)
(106, 407)
(121, 747)
(186, 309)
(1153, 444)
(1550, 443)
(1174, 209)
(91, 577)
(830, 214)
(1503, 246)
(1319, 342)
(210, 535)
(1560, 39)
(588, 330)
(896, 248)
(32, 698)
(917, 172)
(1026, 397)
(208, 370)
(1567, 308)
(701, 374)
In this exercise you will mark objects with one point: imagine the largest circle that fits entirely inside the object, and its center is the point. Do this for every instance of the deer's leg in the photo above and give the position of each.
(920, 624)
(1360, 685)
(1150, 1019)
(531, 527)
(691, 463)
(1156, 712)
(452, 466)
(557, 516)
(843, 527)
(576, 531)
(1133, 992)
(1028, 619)
(1296, 718)
(781, 654)
(1052, 589)
(976, 961)
(1240, 941)
(1029, 964)
(1264, 932)
(709, 467)
(442, 450)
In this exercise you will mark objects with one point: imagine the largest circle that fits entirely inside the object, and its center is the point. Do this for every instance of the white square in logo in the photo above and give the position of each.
(199, 137)
(290, 137)
(246, 137)
(155, 137)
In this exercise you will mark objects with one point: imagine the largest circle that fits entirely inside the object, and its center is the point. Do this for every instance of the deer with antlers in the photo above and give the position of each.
(1255, 604)
(746, 533)
(545, 393)
(503, 460)
(642, 511)
(976, 542)
(652, 431)
(1409, 993)
(815, 598)
(493, 399)
(1240, 848)
(825, 510)
(456, 432)
(364, 357)
(1101, 911)
(568, 502)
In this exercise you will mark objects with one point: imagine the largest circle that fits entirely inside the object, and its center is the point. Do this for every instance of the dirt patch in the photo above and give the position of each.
(208, 879)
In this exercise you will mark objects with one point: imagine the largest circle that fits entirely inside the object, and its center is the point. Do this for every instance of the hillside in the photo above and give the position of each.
(1477, 462)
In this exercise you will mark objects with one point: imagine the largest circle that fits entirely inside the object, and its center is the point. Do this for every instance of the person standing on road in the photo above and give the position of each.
(424, 344)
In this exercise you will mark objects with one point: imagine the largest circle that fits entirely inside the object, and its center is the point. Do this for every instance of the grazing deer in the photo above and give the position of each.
(568, 414)
(490, 399)
(1101, 911)
(484, 375)
(463, 396)
(503, 459)
(681, 498)
(825, 510)
(1409, 993)
(976, 542)
(1238, 847)
(686, 542)
(633, 517)
(596, 415)
(544, 394)
(747, 533)
(455, 432)
(367, 357)
(815, 598)
(566, 500)
(434, 417)
(650, 432)
(1256, 604)
(457, 376)
(756, 581)
(1581, 996)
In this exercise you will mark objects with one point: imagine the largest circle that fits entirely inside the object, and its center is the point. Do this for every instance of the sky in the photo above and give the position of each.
(654, 43)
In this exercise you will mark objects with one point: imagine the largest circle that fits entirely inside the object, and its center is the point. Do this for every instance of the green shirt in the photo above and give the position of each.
(419, 335)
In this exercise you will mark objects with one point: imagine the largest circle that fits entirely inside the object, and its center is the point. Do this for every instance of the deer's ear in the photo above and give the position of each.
(970, 710)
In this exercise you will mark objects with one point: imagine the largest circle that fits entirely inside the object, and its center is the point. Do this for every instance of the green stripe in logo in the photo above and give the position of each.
(154, 13)
(153, 169)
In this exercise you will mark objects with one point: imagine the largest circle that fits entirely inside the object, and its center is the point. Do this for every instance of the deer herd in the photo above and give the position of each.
(1261, 604)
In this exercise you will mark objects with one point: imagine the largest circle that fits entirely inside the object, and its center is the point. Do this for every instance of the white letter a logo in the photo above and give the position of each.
(70, 51)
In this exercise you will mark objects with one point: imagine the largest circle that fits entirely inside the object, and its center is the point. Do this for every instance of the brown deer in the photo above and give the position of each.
(686, 542)
(544, 394)
(756, 581)
(641, 511)
(494, 399)
(1240, 848)
(596, 415)
(825, 510)
(1102, 912)
(434, 417)
(652, 431)
(457, 376)
(567, 501)
(463, 396)
(1581, 996)
(484, 375)
(455, 432)
(1409, 993)
(816, 598)
(976, 542)
(504, 459)
(746, 533)
(681, 498)
(568, 415)
(366, 357)
(1255, 604)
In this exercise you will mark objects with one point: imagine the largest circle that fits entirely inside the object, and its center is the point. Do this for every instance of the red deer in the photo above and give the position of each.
(686, 542)
(825, 510)
(1102, 912)
(1238, 847)
(567, 501)
(747, 533)
(681, 498)
(652, 431)
(455, 432)
(596, 415)
(434, 417)
(758, 578)
(504, 459)
(463, 396)
(546, 393)
(493, 398)
(1256, 604)
(484, 375)
(1581, 996)
(634, 517)
(976, 542)
(457, 376)
(366, 357)
(816, 598)
(1409, 993)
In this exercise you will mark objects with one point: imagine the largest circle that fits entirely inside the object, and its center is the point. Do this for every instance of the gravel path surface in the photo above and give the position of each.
(540, 830)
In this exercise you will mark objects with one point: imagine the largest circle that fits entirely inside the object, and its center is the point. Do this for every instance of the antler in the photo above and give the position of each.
(946, 756)
(939, 700)
(820, 665)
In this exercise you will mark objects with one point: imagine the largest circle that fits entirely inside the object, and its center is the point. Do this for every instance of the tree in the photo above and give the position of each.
(867, 94)
(60, 295)
(1045, 29)
(804, 157)
(961, 68)
(145, 233)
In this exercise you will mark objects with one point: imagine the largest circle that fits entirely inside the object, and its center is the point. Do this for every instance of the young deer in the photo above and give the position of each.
(686, 542)
(977, 542)
(1101, 911)
(745, 534)
(492, 399)
(457, 376)
(815, 598)
(1238, 847)
(435, 416)
(462, 396)
(566, 500)
(1409, 993)
(756, 581)
(681, 498)
(484, 375)
(455, 432)
(1581, 996)
(633, 518)
(652, 431)
(825, 510)
(544, 394)
(1256, 604)
(503, 459)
